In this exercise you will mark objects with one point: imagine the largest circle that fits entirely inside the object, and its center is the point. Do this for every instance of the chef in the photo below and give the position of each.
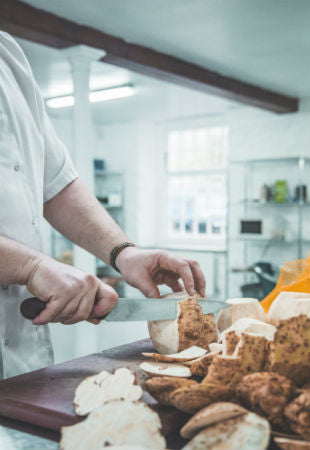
(38, 180)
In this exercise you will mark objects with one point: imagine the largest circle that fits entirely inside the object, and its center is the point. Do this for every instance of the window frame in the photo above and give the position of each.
(163, 239)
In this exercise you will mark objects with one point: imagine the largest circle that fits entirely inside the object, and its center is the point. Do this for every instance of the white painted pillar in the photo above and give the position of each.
(80, 58)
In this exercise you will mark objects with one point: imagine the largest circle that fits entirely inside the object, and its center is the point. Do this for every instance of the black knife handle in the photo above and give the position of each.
(31, 307)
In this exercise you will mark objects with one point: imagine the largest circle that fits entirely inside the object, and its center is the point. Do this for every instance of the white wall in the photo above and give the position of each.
(129, 147)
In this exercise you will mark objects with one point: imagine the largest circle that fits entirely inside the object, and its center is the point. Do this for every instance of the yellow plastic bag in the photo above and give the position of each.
(294, 277)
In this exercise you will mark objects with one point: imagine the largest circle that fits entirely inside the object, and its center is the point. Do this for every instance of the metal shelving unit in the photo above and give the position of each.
(298, 207)
(258, 204)
(109, 190)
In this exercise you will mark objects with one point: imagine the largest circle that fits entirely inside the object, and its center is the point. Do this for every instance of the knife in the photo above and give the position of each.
(132, 309)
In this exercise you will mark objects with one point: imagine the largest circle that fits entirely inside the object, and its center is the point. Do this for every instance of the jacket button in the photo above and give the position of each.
(16, 167)
(6, 342)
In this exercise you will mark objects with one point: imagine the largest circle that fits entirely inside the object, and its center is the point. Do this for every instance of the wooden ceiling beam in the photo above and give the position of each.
(27, 22)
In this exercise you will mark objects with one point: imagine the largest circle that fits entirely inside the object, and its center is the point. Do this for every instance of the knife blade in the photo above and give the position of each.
(132, 309)
(138, 309)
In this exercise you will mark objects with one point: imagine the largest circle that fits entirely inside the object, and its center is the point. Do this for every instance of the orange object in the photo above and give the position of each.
(294, 277)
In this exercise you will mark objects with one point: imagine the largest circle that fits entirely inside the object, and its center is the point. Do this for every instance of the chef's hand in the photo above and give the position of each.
(145, 269)
(70, 293)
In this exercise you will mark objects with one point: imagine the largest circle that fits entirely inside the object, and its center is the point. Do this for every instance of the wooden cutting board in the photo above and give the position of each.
(44, 397)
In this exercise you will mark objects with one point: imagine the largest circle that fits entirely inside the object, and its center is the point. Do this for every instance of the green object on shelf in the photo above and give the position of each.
(280, 191)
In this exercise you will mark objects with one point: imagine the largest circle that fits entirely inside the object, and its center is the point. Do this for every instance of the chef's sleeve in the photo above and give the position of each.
(59, 170)
(58, 167)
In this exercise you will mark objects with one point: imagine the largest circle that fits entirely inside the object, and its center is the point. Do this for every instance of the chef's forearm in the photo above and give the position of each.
(76, 213)
(17, 261)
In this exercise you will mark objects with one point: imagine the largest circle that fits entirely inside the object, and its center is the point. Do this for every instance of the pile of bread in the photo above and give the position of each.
(239, 378)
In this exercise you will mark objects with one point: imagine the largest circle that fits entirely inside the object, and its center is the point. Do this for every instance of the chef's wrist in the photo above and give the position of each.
(121, 258)
(33, 265)
(21, 260)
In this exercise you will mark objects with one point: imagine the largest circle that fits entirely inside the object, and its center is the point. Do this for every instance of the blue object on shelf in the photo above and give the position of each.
(99, 165)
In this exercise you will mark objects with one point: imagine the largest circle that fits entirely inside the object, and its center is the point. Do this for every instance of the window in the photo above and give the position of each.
(198, 149)
(196, 184)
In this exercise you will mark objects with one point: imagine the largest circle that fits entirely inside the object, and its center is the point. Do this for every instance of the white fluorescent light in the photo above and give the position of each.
(111, 94)
(60, 102)
(94, 96)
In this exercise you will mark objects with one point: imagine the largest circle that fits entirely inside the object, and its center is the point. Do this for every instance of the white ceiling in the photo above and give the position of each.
(260, 41)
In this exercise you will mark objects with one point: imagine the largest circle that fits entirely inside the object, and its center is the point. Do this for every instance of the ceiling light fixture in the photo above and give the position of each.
(94, 96)
(111, 94)
(60, 102)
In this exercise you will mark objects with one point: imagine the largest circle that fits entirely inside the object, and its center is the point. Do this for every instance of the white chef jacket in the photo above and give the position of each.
(34, 167)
